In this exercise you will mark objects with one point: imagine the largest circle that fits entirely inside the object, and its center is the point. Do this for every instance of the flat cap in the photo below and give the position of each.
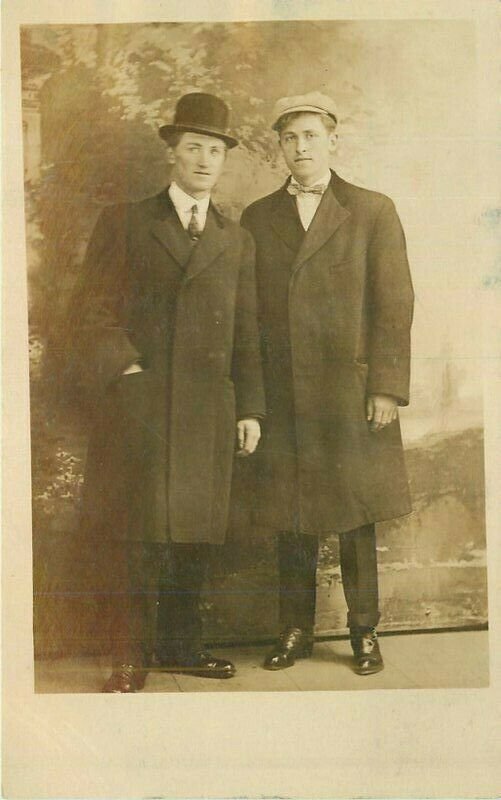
(313, 102)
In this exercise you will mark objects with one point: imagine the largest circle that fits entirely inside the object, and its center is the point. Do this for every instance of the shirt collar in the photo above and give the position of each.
(185, 202)
(325, 179)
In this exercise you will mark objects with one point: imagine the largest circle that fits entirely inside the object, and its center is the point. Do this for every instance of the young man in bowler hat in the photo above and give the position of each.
(165, 350)
(335, 304)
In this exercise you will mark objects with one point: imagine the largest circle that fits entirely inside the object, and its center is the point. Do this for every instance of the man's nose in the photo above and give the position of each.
(203, 159)
(301, 144)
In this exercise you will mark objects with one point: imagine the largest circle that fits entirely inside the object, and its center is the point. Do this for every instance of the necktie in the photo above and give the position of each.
(193, 226)
(298, 188)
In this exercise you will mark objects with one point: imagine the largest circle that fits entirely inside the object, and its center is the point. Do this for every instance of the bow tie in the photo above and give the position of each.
(298, 188)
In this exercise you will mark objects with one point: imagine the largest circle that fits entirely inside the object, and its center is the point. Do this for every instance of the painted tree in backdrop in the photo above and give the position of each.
(102, 92)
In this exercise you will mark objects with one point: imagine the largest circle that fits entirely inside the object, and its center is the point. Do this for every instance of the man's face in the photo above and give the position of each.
(307, 145)
(198, 163)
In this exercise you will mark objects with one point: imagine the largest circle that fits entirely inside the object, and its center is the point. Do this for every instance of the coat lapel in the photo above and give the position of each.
(211, 244)
(166, 227)
(285, 220)
(330, 215)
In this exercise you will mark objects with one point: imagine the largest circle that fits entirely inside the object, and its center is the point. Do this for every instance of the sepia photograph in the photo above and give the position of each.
(250, 409)
(256, 408)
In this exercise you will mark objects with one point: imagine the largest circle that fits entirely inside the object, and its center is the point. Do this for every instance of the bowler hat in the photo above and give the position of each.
(199, 112)
(313, 103)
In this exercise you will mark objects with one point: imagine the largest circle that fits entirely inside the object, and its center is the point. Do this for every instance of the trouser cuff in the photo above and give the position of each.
(367, 620)
(307, 629)
(132, 656)
(179, 649)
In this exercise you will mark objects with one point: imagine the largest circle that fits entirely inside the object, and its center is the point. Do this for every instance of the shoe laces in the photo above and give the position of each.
(126, 669)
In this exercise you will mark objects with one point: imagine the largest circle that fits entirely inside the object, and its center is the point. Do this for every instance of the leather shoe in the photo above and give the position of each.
(201, 664)
(368, 658)
(293, 643)
(125, 679)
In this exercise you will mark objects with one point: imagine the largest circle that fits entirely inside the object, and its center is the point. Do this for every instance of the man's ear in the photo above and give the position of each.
(333, 140)
(171, 158)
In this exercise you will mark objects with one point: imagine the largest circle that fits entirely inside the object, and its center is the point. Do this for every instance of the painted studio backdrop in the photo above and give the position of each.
(93, 98)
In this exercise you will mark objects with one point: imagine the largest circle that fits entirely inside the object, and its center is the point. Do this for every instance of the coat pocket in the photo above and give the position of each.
(135, 394)
(133, 381)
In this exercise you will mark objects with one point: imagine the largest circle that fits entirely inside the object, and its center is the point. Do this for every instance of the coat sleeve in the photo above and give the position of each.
(246, 365)
(98, 345)
(390, 307)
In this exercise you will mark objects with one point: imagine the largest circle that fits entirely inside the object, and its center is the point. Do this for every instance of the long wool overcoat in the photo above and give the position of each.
(335, 309)
(162, 441)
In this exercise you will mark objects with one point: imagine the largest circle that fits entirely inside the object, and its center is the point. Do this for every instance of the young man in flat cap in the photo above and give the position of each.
(165, 350)
(335, 306)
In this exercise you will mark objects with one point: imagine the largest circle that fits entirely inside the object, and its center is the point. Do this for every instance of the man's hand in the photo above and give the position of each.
(133, 368)
(381, 410)
(248, 435)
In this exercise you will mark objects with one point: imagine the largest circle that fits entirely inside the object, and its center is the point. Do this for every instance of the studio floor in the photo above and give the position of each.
(412, 661)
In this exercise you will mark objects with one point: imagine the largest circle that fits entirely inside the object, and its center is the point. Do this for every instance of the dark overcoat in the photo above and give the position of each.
(162, 441)
(335, 310)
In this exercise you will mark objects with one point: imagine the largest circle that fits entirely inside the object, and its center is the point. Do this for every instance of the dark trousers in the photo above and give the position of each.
(297, 562)
(155, 600)
(179, 623)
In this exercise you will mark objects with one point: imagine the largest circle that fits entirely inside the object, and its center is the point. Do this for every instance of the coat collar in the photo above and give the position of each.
(166, 227)
(329, 216)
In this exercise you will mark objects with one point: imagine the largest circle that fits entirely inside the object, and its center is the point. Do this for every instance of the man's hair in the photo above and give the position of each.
(174, 138)
(329, 123)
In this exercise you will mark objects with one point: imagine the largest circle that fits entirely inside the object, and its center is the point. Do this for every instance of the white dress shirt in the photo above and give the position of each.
(183, 203)
(307, 204)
